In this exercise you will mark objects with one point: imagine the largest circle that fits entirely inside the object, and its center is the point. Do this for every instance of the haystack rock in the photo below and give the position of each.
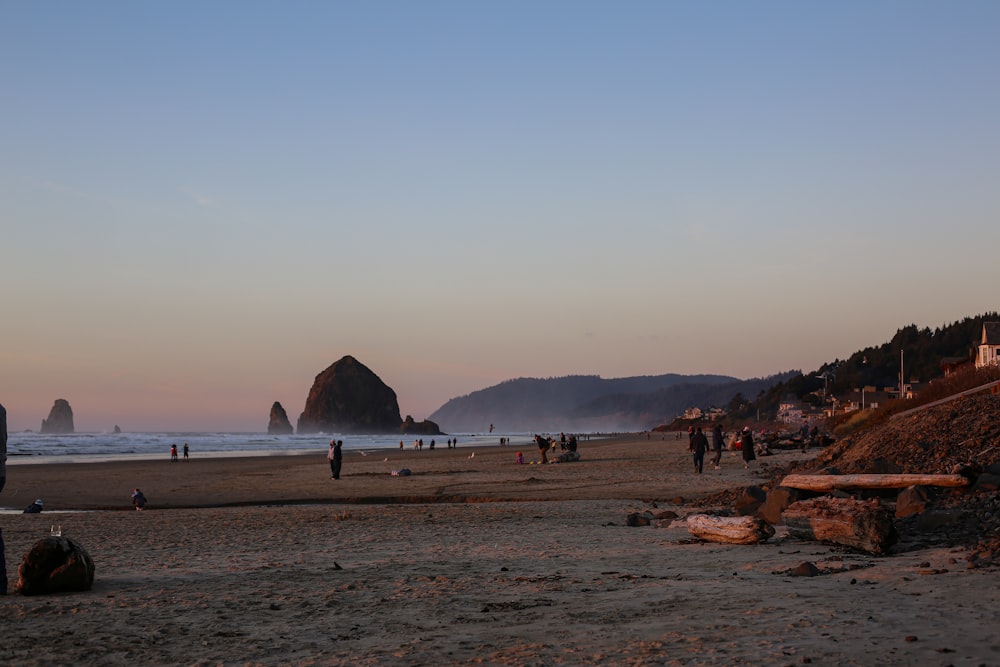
(278, 423)
(349, 398)
(53, 565)
(60, 418)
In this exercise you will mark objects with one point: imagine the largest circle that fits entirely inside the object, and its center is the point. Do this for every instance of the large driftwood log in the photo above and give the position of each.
(858, 524)
(729, 529)
(865, 481)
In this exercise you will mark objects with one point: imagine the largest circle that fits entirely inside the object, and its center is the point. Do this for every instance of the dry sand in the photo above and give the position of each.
(267, 561)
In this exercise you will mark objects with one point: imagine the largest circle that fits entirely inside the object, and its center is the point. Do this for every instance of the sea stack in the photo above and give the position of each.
(278, 423)
(60, 418)
(349, 398)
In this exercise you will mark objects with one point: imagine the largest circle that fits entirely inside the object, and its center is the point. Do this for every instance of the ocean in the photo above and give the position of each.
(30, 447)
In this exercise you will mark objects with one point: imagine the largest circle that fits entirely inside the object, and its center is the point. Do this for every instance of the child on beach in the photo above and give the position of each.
(138, 500)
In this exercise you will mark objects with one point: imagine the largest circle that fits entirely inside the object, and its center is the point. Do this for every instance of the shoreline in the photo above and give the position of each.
(622, 467)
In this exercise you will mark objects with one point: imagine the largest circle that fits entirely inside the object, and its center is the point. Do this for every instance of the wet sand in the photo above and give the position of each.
(266, 561)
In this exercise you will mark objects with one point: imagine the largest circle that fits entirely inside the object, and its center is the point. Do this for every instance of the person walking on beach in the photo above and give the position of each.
(186, 451)
(336, 458)
(746, 447)
(173, 453)
(698, 446)
(717, 445)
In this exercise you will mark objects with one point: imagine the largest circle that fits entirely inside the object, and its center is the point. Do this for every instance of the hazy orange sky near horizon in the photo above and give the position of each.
(203, 206)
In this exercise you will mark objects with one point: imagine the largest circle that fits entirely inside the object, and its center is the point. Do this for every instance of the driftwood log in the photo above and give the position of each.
(859, 524)
(868, 481)
(729, 529)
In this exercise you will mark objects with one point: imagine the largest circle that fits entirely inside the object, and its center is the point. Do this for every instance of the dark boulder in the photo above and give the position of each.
(349, 398)
(805, 569)
(777, 502)
(60, 418)
(53, 565)
(277, 423)
(912, 500)
(750, 501)
(638, 519)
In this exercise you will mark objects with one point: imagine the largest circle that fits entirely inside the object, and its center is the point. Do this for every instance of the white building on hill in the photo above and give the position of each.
(988, 351)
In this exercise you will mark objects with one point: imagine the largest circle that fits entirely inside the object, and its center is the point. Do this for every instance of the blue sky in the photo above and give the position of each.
(203, 205)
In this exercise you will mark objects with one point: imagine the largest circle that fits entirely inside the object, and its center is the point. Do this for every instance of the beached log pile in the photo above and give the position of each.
(932, 478)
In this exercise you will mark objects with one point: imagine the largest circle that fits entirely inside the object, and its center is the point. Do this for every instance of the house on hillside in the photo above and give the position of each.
(866, 398)
(693, 413)
(791, 411)
(988, 351)
(952, 365)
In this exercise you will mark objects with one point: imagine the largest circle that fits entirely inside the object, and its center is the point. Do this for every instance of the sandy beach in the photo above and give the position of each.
(469, 560)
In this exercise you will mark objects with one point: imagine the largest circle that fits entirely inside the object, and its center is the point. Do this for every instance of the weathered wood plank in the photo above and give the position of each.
(864, 525)
(871, 481)
(729, 529)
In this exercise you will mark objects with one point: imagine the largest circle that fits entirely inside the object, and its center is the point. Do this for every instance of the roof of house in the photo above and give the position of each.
(991, 333)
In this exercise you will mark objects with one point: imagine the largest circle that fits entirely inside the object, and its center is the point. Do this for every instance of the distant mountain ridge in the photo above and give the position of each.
(590, 402)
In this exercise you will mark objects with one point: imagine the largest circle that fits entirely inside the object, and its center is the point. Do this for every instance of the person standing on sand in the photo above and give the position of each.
(746, 447)
(173, 453)
(187, 451)
(699, 444)
(717, 445)
(543, 447)
(336, 458)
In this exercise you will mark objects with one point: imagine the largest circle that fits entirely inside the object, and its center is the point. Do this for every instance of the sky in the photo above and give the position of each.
(205, 204)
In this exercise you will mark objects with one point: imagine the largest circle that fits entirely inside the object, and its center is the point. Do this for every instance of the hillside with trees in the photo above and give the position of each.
(591, 403)
(920, 351)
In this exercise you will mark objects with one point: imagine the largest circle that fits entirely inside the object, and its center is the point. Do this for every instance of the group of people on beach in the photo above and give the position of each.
(698, 446)
(567, 444)
(418, 444)
(173, 452)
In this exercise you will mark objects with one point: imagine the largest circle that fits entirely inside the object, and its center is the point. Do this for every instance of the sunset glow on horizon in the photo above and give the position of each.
(204, 205)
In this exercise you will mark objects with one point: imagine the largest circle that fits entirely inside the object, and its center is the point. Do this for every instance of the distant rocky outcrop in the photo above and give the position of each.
(277, 423)
(117, 429)
(60, 418)
(349, 398)
(426, 427)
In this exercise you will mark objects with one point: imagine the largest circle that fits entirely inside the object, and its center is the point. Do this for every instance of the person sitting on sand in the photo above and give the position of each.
(34, 508)
(519, 458)
(138, 500)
